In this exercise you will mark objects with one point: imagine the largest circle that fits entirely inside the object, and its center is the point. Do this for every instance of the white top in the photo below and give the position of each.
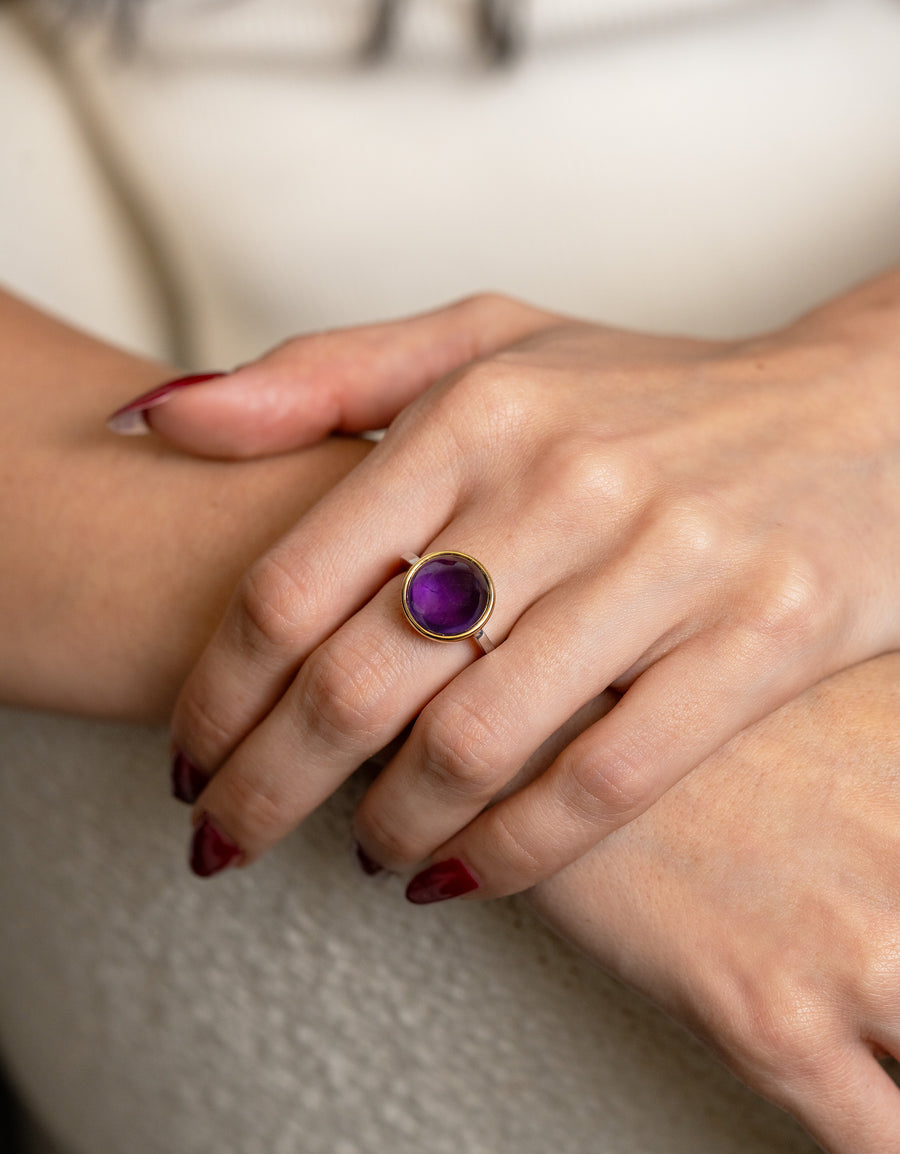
(712, 175)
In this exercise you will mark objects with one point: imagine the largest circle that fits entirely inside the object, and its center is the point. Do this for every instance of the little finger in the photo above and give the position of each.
(678, 712)
(851, 1107)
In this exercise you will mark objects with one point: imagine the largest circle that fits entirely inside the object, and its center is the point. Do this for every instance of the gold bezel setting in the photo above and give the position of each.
(473, 630)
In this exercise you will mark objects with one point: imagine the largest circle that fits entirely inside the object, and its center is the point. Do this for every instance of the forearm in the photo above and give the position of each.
(118, 556)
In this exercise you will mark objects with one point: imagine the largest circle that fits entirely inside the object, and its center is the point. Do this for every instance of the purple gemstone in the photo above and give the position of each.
(447, 595)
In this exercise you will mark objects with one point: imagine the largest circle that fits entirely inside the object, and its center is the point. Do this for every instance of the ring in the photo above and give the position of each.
(448, 596)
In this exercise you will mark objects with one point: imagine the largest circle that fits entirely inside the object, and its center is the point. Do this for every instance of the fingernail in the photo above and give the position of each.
(368, 865)
(211, 850)
(130, 420)
(188, 782)
(443, 880)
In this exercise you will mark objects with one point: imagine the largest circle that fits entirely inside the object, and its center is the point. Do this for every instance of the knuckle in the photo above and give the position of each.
(782, 1041)
(259, 812)
(459, 741)
(486, 302)
(691, 536)
(505, 314)
(511, 849)
(793, 607)
(397, 845)
(491, 385)
(496, 312)
(607, 786)
(271, 605)
(591, 471)
(211, 736)
(347, 692)
(874, 946)
(488, 404)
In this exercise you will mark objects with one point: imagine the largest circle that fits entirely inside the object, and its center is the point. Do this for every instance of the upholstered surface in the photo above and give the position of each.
(722, 177)
(300, 1007)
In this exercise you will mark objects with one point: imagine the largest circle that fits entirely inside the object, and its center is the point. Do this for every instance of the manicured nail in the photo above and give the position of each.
(131, 420)
(443, 880)
(368, 865)
(211, 850)
(188, 782)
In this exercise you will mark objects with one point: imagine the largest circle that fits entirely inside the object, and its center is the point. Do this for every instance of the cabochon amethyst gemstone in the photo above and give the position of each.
(448, 595)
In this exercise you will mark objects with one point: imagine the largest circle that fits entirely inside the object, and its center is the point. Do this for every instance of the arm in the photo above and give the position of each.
(686, 903)
(757, 902)
(118, 559)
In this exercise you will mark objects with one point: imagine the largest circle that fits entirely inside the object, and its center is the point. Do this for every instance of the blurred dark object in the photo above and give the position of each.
(10, 1135)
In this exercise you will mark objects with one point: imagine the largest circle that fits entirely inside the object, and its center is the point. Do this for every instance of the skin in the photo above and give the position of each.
(118, 559)
(708, 527)
(756, 901)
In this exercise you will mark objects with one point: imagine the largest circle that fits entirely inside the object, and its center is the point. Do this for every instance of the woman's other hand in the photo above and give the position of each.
(710, 528)
(757, 902)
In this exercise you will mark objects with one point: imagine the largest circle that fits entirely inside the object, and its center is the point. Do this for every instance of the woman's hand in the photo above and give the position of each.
(709, 527)
(759, 903)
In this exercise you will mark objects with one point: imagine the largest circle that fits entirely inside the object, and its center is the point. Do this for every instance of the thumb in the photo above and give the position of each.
(346, 380)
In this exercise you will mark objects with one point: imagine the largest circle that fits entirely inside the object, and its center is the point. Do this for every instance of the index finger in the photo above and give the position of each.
(299, 593)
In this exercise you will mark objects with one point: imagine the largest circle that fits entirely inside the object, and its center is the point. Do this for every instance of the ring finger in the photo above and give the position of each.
(474, 736)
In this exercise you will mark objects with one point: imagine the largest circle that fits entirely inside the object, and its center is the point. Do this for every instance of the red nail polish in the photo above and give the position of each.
(130, 420)
(211, 850)
(188, 782)
(368, 865)
(443, 880)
